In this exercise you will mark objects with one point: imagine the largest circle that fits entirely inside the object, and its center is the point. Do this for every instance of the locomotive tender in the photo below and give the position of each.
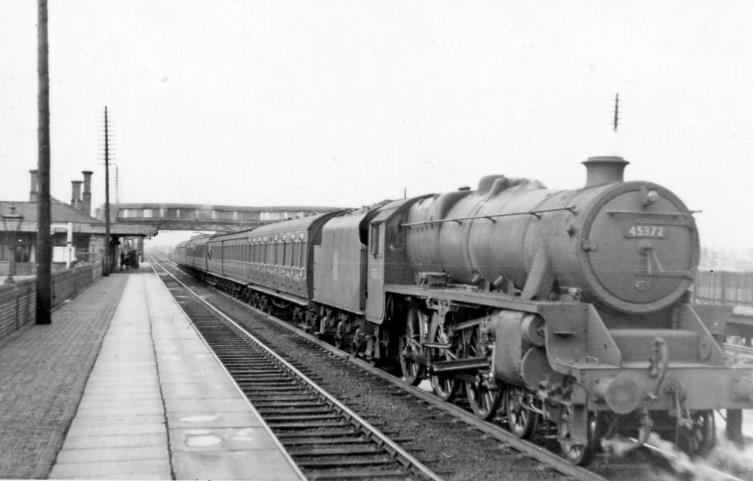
(566, 307)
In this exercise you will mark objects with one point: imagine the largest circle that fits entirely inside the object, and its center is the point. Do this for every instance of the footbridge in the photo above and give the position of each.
(203, 217)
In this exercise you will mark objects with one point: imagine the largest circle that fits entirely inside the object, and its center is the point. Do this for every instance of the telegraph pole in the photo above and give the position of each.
(616, 120)
(106, 271)
(44, 241)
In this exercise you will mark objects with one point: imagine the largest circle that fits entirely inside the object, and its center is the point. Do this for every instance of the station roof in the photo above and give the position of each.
(61, 215)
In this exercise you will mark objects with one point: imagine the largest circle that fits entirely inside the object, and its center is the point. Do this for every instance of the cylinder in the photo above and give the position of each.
(532, 327)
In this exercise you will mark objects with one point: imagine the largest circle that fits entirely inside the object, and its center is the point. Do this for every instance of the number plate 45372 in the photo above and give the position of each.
(646, 230)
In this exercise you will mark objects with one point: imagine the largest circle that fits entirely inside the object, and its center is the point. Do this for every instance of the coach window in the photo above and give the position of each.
(296, 253)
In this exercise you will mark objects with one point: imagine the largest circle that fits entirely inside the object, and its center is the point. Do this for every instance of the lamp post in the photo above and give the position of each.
(9, 218)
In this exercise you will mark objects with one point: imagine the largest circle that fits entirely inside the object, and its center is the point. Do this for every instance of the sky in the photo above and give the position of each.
(346, 103)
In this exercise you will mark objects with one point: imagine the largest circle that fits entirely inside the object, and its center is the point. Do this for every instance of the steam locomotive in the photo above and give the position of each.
(559, 308)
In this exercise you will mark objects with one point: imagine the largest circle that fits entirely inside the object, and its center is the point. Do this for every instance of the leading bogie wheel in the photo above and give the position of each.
(577, 452)
(521, 420)
(483, 399)
(700, 437)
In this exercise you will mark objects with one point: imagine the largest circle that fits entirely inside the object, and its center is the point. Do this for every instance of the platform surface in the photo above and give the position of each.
(158, 405)
(43, 371)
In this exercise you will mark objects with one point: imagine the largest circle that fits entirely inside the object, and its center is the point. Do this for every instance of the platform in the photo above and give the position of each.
(158, 405)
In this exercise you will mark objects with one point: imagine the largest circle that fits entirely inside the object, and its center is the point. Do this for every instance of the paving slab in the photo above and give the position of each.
(108, 454)
(131, 469)
(78, 442)
(251, 465)
(203, 419)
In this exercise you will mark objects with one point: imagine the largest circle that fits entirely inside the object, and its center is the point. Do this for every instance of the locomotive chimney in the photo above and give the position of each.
(86, 205)
(76, 194)
(604, 170)
(34, 184)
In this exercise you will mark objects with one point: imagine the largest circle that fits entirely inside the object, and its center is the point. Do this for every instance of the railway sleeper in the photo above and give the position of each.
(382, 459)
(303, 441)
(300, 411)
(367, 449)
(263, 398)
(307, 426)
(274, 404)
(302, 417)
(347, 430)
(265, 380)
(363, 474)
(267, 386)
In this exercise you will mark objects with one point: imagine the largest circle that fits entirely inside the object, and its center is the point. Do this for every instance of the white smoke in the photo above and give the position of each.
(731, 457)
(618, 446)
(725, 463)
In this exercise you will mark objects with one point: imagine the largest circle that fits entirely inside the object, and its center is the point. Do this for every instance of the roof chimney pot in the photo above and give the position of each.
(76, 194)
(86, 204)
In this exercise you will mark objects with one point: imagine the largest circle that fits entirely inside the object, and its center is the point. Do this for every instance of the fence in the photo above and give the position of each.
(18, 302)
(724, 287)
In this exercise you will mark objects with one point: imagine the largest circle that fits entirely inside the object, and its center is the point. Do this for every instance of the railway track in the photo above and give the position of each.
(322, 437)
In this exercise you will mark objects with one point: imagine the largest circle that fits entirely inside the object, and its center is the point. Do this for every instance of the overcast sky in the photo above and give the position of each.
(346, 103)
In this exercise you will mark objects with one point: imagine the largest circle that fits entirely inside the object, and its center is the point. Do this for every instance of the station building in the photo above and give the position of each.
(76, 236)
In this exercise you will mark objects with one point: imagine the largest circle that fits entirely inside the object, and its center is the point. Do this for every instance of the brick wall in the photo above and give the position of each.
(18, 303)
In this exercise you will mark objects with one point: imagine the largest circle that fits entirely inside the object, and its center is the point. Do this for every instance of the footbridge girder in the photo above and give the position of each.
(200, 217)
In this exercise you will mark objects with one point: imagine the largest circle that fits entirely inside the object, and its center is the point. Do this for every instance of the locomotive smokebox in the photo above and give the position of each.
(604, 170)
